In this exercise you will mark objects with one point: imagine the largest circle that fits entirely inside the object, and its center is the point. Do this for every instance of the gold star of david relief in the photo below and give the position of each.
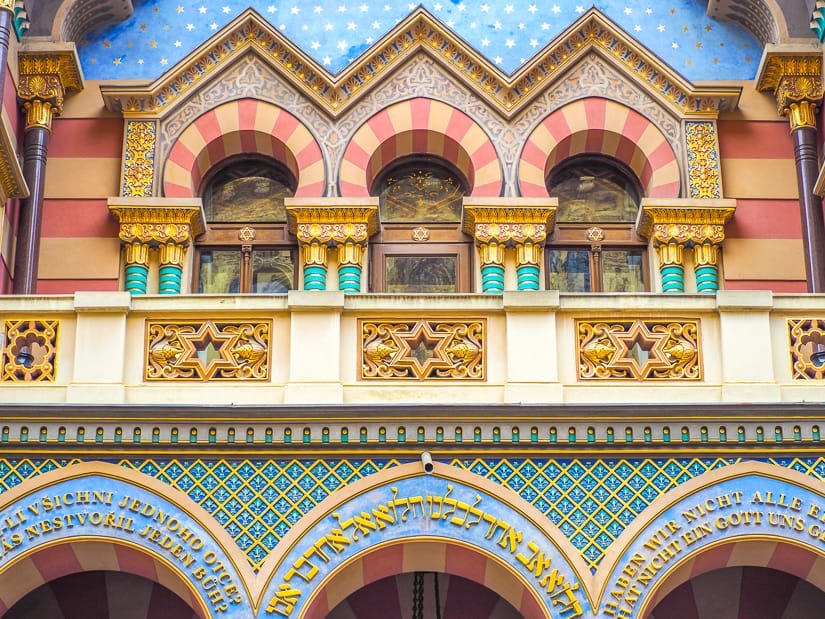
(639, 350)
(422, 350)
(207, 350)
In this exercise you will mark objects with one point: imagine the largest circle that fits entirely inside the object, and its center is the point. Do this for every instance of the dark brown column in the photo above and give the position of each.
(47, 72)
(794, 75)
(810, 205)
(27, 251)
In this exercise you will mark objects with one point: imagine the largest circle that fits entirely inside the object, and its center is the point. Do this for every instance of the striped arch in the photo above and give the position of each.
(600, 126)
(424, 556)
(243, 126)
(420, 126)
(53, 562)
(784, 557)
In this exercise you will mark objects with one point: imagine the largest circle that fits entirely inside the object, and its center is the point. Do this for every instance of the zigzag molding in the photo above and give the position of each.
(420, 33)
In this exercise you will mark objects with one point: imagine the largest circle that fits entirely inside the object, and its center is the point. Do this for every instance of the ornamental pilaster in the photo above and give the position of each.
(47, 73)
(678, 225)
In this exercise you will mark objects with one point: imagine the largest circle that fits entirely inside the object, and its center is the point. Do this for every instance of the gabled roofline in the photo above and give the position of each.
(421, 32)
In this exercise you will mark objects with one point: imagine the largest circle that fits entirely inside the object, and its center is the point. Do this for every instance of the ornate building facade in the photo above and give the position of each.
(380, 309)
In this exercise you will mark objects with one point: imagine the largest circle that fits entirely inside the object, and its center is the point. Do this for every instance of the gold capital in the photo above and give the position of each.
(157, 221)
(706, 254)
(491, 253)
(528, 253)
(670, 253)
(350, 253)
(48, 71)
(314, 253)
(136, 253)
(171, 253)
(795, 78)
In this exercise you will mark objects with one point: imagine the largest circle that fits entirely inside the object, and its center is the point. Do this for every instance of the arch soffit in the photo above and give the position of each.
(600, 126)
(416, 126)
(41, 565)
(773, 548)
(243, 126)
(132, 544)
(443, 556)
(333, 506)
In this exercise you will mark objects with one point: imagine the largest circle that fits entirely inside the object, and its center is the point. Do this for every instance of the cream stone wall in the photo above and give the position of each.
(531, 348)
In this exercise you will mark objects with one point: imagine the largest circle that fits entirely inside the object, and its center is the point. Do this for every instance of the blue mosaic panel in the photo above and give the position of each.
(335, 32)
(257, 501)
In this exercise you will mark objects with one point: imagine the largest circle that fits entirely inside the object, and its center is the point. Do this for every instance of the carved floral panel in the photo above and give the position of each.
(422, 349)
(207, 350)
(639, 350)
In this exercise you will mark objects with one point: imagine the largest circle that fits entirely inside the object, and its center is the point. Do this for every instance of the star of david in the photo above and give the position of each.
(639, 341)
(422, 350)
(207, 350)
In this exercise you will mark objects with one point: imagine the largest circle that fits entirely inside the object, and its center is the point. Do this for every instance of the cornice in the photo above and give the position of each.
(159, 211)
(683, 212)
(580, 430)
(421, 33)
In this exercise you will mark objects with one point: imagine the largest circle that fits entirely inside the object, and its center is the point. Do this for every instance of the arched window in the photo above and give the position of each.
(246, 247)
(594, 247)
(420, 247)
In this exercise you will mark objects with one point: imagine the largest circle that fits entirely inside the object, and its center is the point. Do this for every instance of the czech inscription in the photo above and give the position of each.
(112, 513)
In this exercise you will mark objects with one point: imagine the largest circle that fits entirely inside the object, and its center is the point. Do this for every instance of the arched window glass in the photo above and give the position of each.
(420, 247)
(420, 191)
(594, 247)
(246, 247)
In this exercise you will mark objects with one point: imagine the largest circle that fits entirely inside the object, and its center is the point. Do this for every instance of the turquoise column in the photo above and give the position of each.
(706, 267)
(492, 267)
(136, 271)
(528, 258)
(671, 267)
(315, 266)
(349, 267)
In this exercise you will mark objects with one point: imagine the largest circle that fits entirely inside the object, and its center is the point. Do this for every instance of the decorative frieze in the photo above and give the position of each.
(423, 349)
(30, 351)
(639, 350)
(208, 350)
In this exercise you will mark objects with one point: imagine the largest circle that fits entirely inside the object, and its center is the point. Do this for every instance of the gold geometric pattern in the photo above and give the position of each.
(639, 350)
(422, 350)
(30, 351)
(805, 337)
(207, 350)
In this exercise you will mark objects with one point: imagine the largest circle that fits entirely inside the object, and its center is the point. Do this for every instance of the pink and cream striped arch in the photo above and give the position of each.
(782, 557)
(424, 556)
(420, 126)
(237, 127)
(599, 126)
(57, 561)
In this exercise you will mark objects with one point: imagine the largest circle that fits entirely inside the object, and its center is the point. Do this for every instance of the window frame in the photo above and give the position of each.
(234, 236)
